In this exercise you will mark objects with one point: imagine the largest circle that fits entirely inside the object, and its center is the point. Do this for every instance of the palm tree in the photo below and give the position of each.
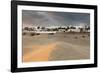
(43, 28)
(38, 27)
(26, 28)
(81, 29)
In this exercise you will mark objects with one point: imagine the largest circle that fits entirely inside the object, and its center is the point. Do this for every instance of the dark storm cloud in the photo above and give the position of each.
(40, 18)
(74, 18)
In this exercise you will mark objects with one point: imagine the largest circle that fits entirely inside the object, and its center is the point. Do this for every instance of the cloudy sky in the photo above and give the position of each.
(41, 18)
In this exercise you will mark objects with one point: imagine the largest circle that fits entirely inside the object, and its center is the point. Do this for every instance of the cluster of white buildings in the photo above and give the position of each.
(55, 29)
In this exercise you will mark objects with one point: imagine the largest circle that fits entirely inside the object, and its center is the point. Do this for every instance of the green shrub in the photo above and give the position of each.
(51, 33)
(24, 33)
(32, 34)
(83, 36)
(37, 33)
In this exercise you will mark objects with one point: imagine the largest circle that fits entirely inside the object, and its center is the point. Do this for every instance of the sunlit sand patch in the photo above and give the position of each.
(40, 54)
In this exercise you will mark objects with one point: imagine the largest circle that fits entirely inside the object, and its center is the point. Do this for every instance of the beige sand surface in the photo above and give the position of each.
(60, 46)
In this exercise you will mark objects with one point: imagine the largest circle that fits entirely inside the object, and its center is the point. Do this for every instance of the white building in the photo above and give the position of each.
(73, 30)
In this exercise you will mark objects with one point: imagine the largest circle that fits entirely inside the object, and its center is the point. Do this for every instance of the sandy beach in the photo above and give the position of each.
(58, 46)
